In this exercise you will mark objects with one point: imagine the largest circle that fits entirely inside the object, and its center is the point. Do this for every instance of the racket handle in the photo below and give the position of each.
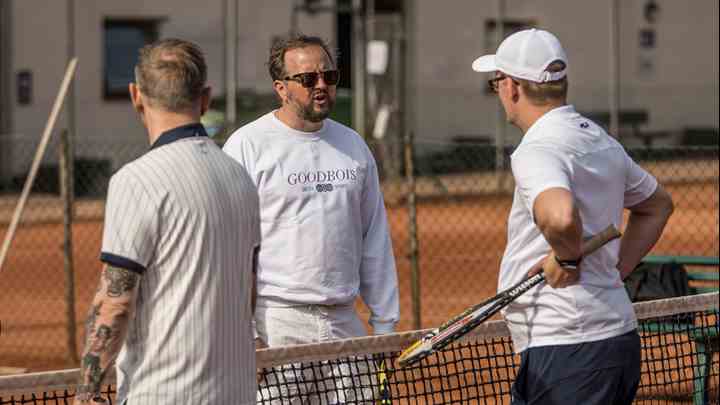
(591, 244)
(521, 287)
(600, 239)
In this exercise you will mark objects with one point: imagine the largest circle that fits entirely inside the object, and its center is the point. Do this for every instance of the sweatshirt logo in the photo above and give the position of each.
(327, 187)
(324, 176)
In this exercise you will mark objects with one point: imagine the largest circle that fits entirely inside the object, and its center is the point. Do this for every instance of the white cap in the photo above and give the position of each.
(526, 55)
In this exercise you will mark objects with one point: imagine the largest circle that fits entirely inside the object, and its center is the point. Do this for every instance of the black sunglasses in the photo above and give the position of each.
(493, 83)
(310, 79)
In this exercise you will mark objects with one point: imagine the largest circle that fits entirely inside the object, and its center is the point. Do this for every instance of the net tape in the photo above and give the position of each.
(678, 335)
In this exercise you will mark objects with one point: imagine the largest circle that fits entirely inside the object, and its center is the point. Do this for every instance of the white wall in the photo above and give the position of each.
(448, 98)
(682, 91)
(106, 127)
(259, 22)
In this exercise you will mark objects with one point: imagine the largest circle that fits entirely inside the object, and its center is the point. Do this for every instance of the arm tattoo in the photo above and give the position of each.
(92, 318)
(102, 338)
(91, 363)
(105, 328)
(93, 374)
(119, 281)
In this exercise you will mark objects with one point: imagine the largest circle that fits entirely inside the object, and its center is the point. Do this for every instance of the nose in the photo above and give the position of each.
(321, 82)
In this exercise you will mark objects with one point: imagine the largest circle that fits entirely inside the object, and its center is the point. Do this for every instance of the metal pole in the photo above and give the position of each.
(358, 69)
(67, 198)
(5, 92)
(294, 17)
(67, 191)
(614, 91)
(371, 100)
(231, 12)
(71, 100)
(5, 69)
(414, 254)
(500, 125)
(370, 18)
(406, 99)
(408, 95)
(398, 107)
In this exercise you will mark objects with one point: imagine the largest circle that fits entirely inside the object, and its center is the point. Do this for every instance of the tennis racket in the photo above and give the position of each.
(458, 326)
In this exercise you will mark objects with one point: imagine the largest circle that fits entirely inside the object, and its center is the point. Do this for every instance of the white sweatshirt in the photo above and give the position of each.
(325, 236)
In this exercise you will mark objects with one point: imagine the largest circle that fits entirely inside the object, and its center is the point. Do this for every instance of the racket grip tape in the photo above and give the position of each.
(600, 239)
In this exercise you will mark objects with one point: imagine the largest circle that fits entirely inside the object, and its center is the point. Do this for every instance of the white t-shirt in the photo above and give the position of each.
(186, 217)
(564, 149)
(325, 236)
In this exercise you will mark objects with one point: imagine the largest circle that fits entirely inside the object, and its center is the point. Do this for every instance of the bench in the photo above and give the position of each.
(706, 341)
(700, 136)
(632, 118)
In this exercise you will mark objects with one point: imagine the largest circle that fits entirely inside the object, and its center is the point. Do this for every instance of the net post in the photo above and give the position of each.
(67, 197)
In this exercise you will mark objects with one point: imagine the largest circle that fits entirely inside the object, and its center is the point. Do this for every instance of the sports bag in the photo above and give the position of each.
(651, 281)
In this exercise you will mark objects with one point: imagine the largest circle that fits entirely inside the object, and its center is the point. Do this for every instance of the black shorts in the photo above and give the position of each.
(606, 372)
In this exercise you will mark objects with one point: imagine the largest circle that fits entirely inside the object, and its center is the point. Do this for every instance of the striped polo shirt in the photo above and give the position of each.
(185, 216)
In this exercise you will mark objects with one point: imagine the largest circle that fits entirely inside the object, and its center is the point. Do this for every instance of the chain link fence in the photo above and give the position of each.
(463, 205)
(459, 205)
(33, 304)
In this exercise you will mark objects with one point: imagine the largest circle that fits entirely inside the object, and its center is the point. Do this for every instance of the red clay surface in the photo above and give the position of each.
(461, 243)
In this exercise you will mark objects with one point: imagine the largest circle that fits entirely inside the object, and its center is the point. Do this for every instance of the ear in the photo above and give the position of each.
(136, 98)
(281, 89)
(514, 90)
(205, 100)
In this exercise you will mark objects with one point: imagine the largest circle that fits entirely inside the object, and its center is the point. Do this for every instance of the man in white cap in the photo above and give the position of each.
(576, 332)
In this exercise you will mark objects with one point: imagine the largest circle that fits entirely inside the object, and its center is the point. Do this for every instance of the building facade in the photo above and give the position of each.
(667, 63)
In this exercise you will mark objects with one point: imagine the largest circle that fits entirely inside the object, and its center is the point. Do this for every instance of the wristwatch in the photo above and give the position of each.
(569, 264)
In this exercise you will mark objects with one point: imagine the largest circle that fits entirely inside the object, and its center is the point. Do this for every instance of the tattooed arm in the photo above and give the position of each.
(105, 329)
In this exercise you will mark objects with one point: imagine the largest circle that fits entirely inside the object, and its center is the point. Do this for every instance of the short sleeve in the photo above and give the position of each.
(639, 184)
(130, 232)
(537, 169)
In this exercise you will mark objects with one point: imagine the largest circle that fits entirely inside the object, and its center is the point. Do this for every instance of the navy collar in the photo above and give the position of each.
(181, 132)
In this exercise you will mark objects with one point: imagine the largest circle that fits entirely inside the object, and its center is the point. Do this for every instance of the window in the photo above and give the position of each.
(123, 39)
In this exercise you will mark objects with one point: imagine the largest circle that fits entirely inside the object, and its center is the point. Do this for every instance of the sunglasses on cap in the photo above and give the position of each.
(310, 79)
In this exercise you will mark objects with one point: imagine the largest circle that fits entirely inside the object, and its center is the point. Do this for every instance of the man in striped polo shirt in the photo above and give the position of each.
(181, 230)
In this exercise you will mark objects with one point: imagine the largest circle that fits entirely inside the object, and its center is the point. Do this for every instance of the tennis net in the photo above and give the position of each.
(679, 351)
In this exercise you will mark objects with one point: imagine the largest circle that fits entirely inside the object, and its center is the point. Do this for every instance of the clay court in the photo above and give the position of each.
(460, 243)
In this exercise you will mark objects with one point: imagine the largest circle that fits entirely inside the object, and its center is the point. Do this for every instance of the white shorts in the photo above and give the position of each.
(323, 382)
(291, 325)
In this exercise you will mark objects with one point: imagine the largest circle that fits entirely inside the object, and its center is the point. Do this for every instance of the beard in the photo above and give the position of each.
(307, 111)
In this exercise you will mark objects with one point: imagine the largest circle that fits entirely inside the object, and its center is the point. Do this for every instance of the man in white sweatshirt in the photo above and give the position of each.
(325, 237)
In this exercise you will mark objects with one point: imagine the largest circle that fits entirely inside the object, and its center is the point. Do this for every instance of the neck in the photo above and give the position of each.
(291, 119)
(533, 113)
(158, 122)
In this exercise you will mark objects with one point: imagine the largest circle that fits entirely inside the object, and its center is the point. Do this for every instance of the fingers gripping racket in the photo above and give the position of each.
(477, 314)
(383, 397)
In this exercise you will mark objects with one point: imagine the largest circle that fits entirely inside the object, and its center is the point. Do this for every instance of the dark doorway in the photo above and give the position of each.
(344, 43)
(344, 24)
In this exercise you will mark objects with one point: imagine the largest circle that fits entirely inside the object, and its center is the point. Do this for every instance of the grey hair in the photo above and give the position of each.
(171, 73)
